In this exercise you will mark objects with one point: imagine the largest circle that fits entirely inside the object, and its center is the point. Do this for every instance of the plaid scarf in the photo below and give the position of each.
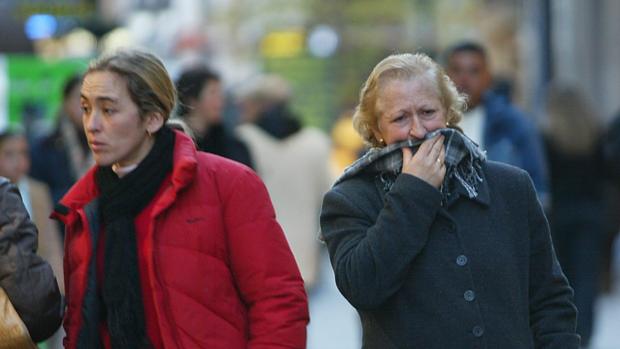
(463, 162)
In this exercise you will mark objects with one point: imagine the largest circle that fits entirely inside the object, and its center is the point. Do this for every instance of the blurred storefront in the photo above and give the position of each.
(583, 48)
(326, 48)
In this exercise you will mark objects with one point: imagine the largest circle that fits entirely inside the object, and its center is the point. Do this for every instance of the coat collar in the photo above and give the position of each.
(483, 198)
(183, 172)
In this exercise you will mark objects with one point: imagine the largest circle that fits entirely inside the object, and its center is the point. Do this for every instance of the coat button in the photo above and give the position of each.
(478, 331)
(469, 295)
(461, 260)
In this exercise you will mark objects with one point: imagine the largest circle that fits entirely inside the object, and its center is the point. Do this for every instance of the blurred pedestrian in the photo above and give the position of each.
(576, 167)
(201, 102)
(62, 157)
(292, 160)
(168, 246)
(35, 195)
(611, 148)
(611, 152)
(491, 121)
(434, 245)
(25, 278)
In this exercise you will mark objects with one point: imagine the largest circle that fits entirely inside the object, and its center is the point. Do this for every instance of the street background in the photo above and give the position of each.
(325, 49)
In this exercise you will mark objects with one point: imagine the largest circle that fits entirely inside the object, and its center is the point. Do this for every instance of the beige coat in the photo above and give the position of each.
(296, 171)
(50, 240)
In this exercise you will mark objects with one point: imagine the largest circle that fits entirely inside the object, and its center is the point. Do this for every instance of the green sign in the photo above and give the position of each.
(313, 87)
(34, 88)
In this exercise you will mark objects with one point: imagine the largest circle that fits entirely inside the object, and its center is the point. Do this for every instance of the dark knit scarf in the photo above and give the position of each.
(463, 162)
(121, 200)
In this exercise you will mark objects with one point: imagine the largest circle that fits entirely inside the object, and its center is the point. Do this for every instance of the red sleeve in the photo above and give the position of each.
(264, 267)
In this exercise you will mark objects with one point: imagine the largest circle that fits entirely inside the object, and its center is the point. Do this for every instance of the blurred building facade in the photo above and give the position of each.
(327, 47)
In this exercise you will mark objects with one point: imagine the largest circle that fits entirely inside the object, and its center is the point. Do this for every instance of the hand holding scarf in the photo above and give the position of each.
(463, 162)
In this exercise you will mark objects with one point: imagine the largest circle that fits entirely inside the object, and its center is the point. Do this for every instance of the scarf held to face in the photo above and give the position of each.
(121, 200)
(463, 162)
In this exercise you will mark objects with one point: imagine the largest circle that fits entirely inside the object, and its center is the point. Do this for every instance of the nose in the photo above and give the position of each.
(90, 121)
(417, 130)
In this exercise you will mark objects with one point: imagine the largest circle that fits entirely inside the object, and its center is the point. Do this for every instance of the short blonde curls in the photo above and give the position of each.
(402, 67)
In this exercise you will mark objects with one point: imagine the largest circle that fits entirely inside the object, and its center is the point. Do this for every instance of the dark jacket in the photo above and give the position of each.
(611, 149)
(511, 138)
(479, 273)
(27, 279)
(220, 141)
(51, 165)
(223, 275)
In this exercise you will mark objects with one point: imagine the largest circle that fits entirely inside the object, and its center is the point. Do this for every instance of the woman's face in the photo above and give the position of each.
(14, 158)
(115, 131)
(408, 109)
(210, 102)
(72, 107)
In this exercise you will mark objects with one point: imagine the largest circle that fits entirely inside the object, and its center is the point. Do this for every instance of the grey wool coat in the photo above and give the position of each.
(477, 273)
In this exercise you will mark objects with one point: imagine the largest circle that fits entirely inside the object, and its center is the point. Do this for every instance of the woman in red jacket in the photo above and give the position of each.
(168, 247)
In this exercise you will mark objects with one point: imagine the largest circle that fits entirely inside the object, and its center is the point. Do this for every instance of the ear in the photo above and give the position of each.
(153, 122)
(377, 134)
(487, 77)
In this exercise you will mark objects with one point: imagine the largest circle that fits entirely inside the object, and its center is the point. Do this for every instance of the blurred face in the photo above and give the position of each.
(210, 102)
(408, 109)
(14, 158)
(115, 131)
(73, 107)
(250, 109)
(470, 74)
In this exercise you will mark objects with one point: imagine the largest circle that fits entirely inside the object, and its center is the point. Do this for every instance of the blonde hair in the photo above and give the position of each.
(573, 125)
(148, 82)
(402, 67)
(270, 88)
(177, 123)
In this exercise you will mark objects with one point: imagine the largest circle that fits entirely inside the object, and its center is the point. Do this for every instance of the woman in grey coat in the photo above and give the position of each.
(435, 246)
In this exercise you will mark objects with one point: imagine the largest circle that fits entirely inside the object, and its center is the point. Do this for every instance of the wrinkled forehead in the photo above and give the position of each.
(426, 82)
(12, 141)
(103, 85)
(408, 73)
(467, 60)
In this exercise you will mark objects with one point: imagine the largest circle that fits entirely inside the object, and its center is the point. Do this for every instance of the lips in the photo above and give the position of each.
(95, 146)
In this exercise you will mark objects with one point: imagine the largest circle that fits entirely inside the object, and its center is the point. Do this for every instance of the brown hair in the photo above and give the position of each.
(401, 67)
(147, 79)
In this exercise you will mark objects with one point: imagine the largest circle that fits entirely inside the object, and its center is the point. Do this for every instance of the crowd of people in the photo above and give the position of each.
(451, 219)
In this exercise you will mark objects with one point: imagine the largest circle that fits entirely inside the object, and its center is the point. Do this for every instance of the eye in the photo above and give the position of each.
(428, 113)
(85, 109)
(108, 111)
(399, 118)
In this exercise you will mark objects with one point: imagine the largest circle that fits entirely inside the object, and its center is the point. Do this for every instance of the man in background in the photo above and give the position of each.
(491, 120)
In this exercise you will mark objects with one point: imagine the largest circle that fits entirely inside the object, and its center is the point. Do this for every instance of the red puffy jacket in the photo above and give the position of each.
(223, 274)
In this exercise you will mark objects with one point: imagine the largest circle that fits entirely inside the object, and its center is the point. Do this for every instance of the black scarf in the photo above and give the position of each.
(121, 200)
